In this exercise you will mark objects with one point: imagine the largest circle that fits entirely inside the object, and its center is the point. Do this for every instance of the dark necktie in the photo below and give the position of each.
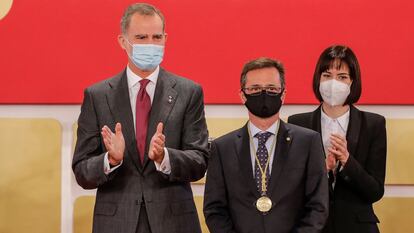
(262, 155)
(143, 107)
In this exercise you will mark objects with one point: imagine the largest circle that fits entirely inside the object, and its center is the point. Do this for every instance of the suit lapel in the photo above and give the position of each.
(242, 145)
(162, 104)
(354, 127)
(316, 120)
(120, 107)
(284, 139)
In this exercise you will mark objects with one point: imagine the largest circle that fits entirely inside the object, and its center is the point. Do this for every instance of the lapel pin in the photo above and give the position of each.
(288, 139)
(169, 99)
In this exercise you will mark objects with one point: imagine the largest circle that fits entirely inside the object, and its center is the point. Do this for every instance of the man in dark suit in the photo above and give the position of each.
(268, 176)
(142, 137)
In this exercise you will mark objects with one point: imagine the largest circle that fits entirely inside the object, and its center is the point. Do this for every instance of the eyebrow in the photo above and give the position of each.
(267, 85)
(146, 35)
(338, 73)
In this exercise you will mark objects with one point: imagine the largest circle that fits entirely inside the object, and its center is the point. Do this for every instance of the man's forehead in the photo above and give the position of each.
(264, 70)
(263, 73)
(138, 16)
(145, 22)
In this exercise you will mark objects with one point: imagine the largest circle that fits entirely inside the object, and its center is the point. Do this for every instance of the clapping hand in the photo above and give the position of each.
(339, 148)
(114, 144)
(156, 149)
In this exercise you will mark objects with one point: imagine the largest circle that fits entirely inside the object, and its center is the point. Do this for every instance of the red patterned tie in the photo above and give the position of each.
(143, 107)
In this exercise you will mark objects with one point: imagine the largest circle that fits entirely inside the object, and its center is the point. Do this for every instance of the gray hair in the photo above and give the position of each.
(142, 9)
(260, 63)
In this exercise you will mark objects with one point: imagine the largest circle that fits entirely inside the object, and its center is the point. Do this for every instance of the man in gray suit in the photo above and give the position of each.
(142, 137)
(268, 176)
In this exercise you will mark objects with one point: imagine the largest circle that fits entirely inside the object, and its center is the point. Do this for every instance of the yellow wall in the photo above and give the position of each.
(30, 175)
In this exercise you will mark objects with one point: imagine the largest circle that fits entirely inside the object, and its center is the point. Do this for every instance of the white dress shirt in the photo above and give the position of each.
(133, 89)
(274, 128)
(331, 126)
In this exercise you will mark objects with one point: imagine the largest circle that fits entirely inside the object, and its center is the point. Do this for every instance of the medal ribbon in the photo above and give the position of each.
(262, 170)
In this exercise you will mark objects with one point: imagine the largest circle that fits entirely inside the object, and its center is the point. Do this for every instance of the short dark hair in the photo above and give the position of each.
(260, 63)
(142, 9)
(337, 55)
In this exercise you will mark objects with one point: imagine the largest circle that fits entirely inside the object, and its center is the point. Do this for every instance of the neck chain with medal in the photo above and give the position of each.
(263, 204)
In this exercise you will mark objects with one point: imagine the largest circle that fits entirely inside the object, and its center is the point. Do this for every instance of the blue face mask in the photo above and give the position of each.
(146, 56)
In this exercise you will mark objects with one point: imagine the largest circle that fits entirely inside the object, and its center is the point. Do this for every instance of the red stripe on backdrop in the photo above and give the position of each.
(51, 50)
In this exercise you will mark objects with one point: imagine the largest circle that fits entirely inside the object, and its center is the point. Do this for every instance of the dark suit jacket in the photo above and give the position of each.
(168, 198)
(298, 185)
(361, 182)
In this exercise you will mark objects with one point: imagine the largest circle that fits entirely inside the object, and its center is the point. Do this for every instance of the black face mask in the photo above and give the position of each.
(263, 105)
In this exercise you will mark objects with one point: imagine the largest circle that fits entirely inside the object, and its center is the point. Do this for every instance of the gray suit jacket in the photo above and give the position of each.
(297, 187)
(168, 198)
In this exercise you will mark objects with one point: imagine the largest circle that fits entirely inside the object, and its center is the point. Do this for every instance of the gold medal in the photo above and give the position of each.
(264, 204)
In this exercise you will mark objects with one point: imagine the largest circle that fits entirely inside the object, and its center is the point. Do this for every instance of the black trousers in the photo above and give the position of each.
(143, 223)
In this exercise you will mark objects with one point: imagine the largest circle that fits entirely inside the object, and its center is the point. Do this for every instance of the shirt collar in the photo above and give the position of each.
(272, 129)
(133, 78)
(342, 120)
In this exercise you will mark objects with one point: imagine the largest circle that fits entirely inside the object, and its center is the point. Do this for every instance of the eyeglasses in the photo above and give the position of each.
(257, 90)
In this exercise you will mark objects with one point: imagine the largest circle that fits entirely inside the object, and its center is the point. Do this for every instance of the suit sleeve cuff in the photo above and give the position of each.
(107, 166)
(165, 166)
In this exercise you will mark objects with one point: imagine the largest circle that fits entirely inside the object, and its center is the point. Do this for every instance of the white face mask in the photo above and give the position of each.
(334, 92)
